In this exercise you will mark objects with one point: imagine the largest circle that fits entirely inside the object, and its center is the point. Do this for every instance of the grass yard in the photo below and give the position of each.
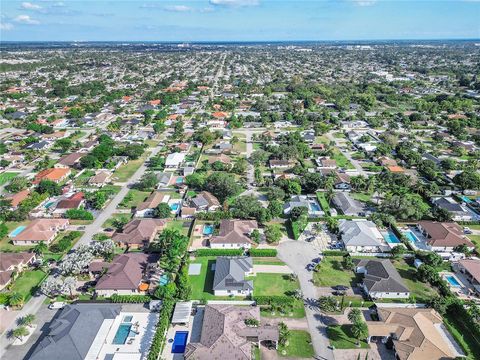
(341, 337)
(341, 160)
(125, 172)
(273, 284)
(179, 225)
(6, 244)
(331, 273)
(82, 179)
(299, 345)
(339, 135)
(476, 240)
(421, 291)
(322, 200)
(133, 198)
(109, 222)
(7, 176)
(240, 146)
(267, 261)
(364, 197)
(463, 335)
(28, 282)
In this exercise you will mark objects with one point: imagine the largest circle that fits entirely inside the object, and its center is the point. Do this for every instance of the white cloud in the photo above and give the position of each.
(30, 6)
(26, 19)
(178, 8)
(6, 26)
(235, 3)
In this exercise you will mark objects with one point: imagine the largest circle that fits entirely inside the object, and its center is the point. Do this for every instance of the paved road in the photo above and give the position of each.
(297, 254)
(354, 162)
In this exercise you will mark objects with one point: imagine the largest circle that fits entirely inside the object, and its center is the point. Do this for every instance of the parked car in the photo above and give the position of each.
(57, 305)
(467, 230)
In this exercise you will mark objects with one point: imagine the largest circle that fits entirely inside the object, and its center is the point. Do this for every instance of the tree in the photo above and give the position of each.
(15, 299)
(120, 222)
(20, 332)
(276, 208)
(222, 185)
(255, 236)
(88, 162)
(97, 199)
(360, 331)
(17, 184)
(398, 251)
(64, 144)
(27, 320)
(348, 263)
(148, 182)
(273, 234)
(405, 207)
(327, 303)
(298, 212)
(69, 285)
(49, 187)
(40, 248)
(284, 334)
(162, 211)
(468, 179)
(355, 316)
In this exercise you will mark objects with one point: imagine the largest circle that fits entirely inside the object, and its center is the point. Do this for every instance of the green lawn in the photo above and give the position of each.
(109, 222)
(421, 291)
(27, 283)
(323, 202)
(463, 335)
(178, 224)
(6, 244)
(7, 176)
(476, 240)
(339, 135)
(341, 337)
(341, 160)
(133, 198)
(83, 178)
(273, 284)
(267, 261)
(331, 273)
(299, 345)
(125, 172)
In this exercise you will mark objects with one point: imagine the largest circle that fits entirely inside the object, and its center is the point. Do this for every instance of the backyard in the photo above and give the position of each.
(133, 198)
(6, 177)
(5, 243)
(341, 337)
(299, 345)
(27, 283)
(273, 284)
(422, 292)
(331, 273)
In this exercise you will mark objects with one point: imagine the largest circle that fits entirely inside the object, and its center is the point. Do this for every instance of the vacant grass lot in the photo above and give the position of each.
(125, 172)
(7, 176)
(331, 273)
(133, 198)
(299, 345)
(341, 160)
(341, 337)
(273, 284)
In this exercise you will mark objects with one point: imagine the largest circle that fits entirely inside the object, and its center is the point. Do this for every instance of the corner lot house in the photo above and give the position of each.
(381, 280)
(138, 233)
(230, 275)
(97, 331)
(126, 275)
(40, 230)
(443, 236)
(416, 333)
(234, 234)
(224, 334)
(13, 262)
(362, 236)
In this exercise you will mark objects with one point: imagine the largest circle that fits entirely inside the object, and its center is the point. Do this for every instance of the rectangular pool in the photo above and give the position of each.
(410, 236)
(122, 334)
(315, 207)
(17, 231)
(391, 238)
(179, 342)
(452, 280)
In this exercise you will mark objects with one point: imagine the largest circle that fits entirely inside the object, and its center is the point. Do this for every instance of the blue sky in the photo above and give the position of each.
(238, 20)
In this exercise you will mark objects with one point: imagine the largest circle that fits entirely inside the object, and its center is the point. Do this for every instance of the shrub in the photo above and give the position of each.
(78, 214)
(133, 299)
(158, 340)
(263, 252)
(219, 252)
(273, 300)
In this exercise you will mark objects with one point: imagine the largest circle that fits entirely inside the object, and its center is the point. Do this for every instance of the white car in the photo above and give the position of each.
(57, 305)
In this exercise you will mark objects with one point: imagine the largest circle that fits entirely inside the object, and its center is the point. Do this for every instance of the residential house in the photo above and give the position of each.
(443, 236)
(347, 205)
(280, 164)
(101, 178)
(416, 334)
(70, 160)
(11, 263)
(470, 268)
(222, 158)
(458, 212)
(17, 198)
(224, 334)
(234, 234)
(230, 273)
(75, 201)
(138, 233)
(40, 230)
(342, 181)
(381, 280)
(361, 236)
(306, 201)
(54, 174)
(147, 208)
(164, 179)
(174, 161)
(127, 274)
(205, 201)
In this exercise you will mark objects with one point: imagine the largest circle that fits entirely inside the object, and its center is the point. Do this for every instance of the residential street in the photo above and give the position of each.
(297, 254)
(354, 162)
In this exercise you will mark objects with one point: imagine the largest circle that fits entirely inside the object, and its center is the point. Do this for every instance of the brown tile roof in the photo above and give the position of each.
(139, 231)
(100, 177)
(153, 200)
(415, 333)
(211, 199)
(41, 229)
(234, 232)
(126, 271)
(444, 234)
(222, 158)
(8, 260)
(472, 266)
(17, 198)
(73, 202)
(70, 159)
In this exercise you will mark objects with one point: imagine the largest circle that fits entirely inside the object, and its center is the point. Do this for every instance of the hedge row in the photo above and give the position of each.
(219, 252)
(269, 300)
(162, 326)
(134, 299)
(334, 253)
(263, 252)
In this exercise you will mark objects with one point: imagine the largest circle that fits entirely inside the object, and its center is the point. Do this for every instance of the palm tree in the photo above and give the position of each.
(15, 299)
(40, 248)
(27, 320)
(19, 332)
(355, 315)
(360, 331)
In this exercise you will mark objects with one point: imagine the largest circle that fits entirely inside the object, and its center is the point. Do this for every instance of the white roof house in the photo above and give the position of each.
(174, 160)
(362, 236)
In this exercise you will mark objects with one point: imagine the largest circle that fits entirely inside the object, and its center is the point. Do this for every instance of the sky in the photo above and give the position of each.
(238, 20)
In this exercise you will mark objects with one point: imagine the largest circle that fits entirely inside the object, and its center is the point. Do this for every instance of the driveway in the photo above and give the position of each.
(272, 269)
(297, 254)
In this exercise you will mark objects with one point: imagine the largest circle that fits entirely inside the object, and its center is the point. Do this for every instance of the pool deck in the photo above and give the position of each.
(466, 290)
(141, 343)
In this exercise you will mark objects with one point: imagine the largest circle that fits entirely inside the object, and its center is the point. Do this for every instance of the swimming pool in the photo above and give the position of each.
(410, 236)
(452, 280)
(391, 238)
(179, 342)
(17, 231)
(208, 230)
(465, 199)
(122, 334)
(179, 180)
(164, 279)
(315, 207)
(174, 206)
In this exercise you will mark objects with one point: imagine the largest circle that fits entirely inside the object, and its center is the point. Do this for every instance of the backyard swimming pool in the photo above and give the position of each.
(174, 206)
(122, 334)
(410, 236)
(179, 180)
(17, 231)
(452, 280)
(315, 207)
(391, 238)
(49, 204)
(179, 342)
(207, 229)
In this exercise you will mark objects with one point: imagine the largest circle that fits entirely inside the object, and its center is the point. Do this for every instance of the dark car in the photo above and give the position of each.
(341, 287)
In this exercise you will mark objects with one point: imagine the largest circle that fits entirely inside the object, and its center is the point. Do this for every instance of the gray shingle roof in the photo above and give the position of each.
(381, 276)
(230, 273)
